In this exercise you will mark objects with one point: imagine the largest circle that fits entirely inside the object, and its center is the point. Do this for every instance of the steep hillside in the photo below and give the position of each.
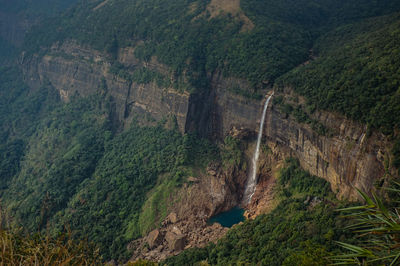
(18, 16)
(133, 122)
(355, 73)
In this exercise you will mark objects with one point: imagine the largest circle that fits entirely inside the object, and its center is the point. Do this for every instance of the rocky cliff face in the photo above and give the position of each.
(347, 159)
(77, 70)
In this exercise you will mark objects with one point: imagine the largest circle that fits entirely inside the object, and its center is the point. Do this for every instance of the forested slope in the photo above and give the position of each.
(72, 164)
(184, 35)
(18, 16)
(356, 72)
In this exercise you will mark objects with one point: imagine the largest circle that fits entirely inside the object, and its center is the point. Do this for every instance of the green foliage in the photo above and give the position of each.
(302, 228)
(63, 152)
(20, 112)
(297, 181)
(356, 73)
(302, 116)
(21, 108)
(309, 254)
(199, 151)
(378, 227)
(62, 164)
(182, 35)
(106, 207)
(156, 207)
(231, 152)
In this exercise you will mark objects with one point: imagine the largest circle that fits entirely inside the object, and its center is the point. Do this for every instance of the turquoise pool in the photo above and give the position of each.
(228, 218)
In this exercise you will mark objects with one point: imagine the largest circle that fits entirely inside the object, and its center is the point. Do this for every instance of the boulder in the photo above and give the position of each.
(176, 242)
(172, 218)
(154, 238)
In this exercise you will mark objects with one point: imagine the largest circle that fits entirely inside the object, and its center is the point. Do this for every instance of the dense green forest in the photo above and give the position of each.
(356, 72)
(183, 35)
(62, 165)
(301, 230)
(72, 165)
(356, 45)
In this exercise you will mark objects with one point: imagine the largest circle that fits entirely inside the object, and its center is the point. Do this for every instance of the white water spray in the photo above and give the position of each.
(252, 180)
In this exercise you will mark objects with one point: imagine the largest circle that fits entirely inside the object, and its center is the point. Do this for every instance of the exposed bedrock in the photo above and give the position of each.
(347, 159)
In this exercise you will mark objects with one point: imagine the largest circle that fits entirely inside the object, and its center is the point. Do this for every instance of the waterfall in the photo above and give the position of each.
(252, 180)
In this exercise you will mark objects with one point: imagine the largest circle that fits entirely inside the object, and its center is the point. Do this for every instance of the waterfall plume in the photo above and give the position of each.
(252, 180)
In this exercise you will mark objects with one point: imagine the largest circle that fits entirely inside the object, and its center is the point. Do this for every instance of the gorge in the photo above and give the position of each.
(134, 123)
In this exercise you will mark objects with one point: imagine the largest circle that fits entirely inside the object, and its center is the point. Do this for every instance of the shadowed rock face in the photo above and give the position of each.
(348, 159)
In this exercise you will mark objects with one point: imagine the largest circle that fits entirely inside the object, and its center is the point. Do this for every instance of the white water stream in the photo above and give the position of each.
(252, 180)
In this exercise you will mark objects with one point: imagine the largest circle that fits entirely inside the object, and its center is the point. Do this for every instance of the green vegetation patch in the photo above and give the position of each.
(302, 116)
(63, 165)
(356, 73)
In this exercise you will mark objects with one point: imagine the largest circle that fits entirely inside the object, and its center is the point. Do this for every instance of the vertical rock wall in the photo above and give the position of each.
(347, 160)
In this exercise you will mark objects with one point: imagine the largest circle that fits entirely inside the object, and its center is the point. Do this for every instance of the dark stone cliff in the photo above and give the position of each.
(347, 159)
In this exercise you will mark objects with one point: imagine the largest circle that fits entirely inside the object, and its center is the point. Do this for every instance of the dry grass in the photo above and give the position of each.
(18, 249)
(218, 7)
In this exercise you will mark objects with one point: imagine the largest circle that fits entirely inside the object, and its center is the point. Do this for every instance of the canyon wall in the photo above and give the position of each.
(347, 159)
(76, 70)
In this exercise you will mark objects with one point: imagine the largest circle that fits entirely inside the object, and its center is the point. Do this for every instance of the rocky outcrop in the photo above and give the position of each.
(76, 70)
(186, 225)
(347, 159)
(175, 239)
(230, 111)
(153, 238)
(172, 218)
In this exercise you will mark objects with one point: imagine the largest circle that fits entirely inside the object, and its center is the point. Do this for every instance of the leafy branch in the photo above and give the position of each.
(379, 228)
